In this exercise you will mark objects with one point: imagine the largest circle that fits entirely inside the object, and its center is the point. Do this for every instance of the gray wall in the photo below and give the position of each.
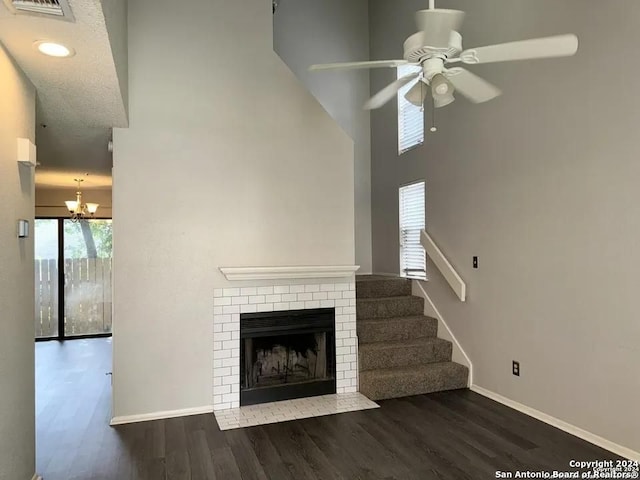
(17, 397)
(228, 161)
(307, 32)
(542, 184)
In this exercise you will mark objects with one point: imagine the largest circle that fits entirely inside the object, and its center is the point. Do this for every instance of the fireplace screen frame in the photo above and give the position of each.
(290, 322)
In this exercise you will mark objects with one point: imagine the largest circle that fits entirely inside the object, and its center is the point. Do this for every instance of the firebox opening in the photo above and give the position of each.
(285, 359)
(287, 355)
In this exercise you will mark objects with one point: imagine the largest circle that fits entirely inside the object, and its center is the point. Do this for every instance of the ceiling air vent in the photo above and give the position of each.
(42, 8)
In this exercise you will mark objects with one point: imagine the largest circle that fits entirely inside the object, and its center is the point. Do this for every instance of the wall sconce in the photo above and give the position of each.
(23, 228)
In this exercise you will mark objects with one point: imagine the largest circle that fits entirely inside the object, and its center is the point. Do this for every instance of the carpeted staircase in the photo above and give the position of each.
(400, 353)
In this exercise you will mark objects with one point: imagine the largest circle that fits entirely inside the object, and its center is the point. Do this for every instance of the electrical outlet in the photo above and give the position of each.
(516, 368)
(475, 262)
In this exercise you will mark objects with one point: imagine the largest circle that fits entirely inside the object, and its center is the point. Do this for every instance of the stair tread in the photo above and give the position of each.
(413, 369)
(395, 329)
(416, 342)
(366, 278)
(382, 299)
(377, 286)
(396, 382)
(388, 307)
(396, 319)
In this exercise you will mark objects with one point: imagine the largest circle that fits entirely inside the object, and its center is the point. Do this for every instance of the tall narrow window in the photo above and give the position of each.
(410, 117)
(413, 261)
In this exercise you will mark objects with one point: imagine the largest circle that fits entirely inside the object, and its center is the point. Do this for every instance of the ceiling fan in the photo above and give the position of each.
(437, 45)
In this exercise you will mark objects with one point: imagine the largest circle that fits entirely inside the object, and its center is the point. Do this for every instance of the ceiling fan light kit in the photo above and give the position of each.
(437, 45)
(441, 91)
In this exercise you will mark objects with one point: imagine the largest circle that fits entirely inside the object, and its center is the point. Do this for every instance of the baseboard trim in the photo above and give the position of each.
(147, 417)
(560, 424)
(441, 321)
(36, 477)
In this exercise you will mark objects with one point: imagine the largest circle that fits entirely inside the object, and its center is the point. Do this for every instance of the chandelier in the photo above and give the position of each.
(79, 210)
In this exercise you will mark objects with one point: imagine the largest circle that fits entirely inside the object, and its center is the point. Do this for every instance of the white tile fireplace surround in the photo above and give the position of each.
(229, 303)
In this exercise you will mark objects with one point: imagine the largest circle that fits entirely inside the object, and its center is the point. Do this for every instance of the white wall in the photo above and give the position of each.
(17, 397)
(228, 161)
(307, 32)
(542, 185)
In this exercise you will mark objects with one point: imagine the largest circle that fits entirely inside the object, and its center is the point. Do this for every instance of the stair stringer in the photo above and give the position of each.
(444, 332)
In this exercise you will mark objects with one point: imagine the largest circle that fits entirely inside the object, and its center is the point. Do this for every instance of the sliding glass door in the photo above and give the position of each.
(47, 278)
(87, 277)
(73, 288)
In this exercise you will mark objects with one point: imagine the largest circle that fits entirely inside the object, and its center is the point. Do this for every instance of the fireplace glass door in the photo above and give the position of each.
(287, 355)
(284, 359)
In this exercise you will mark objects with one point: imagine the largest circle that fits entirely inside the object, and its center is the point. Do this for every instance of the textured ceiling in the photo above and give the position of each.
(79, 98)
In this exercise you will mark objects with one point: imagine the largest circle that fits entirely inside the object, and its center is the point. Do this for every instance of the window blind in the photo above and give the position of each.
(413, 261)
(410, 117)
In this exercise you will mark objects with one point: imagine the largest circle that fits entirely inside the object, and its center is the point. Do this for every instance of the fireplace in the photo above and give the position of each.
(287, 354)
(230, 304)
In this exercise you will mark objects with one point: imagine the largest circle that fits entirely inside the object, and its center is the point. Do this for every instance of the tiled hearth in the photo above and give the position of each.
(299, 408)
(229, 303)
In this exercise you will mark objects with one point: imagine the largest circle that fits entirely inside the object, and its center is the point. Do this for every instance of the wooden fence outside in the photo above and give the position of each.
(87, 293)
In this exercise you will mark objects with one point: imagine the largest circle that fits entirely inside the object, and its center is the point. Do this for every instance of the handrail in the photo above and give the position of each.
(439, 260)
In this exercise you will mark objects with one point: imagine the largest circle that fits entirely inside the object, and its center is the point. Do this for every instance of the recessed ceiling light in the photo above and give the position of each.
(54, 49)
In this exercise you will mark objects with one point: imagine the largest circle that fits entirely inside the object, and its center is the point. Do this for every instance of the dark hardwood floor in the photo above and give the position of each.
(453, 435)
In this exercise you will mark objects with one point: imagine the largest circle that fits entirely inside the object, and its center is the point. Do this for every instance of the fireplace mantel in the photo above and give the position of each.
(277, 273)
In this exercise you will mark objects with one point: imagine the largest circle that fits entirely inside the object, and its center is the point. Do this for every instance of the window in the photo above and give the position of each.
(410, 117)
(413, 260)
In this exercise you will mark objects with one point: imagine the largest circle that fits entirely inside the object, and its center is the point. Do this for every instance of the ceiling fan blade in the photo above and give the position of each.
(358, 65)
(472, 86)
(417, 93)
(389, 92)
(547, 47)
(436, 25)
